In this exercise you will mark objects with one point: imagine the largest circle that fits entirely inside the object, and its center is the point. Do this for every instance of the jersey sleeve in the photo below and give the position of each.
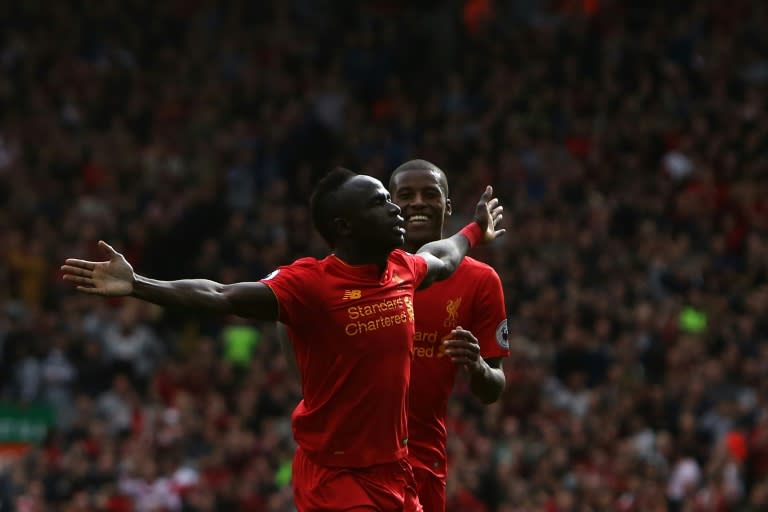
(489, 316)
(291, 285)
(417, 265)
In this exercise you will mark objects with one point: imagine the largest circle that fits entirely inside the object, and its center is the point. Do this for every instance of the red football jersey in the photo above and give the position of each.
(352, 331)
(473, 299)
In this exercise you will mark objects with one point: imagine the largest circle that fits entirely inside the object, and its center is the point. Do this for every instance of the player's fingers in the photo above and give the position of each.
(469, 345)
(463, 333)
(457, 340)
(462, 352)
(497, 219)
(497, 210)
(90, 265)
(487, 194)
(76, 271)
(459, 346)
(493, 203)
(87, 281)
(460, 338)
(499, 232)
(104, 245)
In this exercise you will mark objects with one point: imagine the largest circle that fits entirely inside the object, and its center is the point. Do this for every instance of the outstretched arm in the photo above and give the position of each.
(116, 278)
(443, 256)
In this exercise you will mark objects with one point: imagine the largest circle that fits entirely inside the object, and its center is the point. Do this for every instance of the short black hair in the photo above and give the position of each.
(323, 204)
(420, 165)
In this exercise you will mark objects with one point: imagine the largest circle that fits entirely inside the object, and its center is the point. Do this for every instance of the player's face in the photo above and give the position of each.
(373, 219)
(421, 198)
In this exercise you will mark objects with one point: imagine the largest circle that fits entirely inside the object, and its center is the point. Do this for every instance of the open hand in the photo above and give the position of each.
(488, 214)
(113, 278)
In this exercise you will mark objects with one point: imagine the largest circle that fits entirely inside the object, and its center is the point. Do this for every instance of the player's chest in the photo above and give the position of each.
(371, 318)
(442, 311)
(437, 314)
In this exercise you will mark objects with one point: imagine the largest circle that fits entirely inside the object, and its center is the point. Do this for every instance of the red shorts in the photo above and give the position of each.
(383, 488)
(431, 490)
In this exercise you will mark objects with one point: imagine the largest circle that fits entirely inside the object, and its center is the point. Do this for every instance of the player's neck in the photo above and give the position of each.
(353, 256)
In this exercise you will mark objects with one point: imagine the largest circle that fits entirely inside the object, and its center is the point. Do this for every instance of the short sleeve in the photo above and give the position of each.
(291, 285)
(417, 265)
(489, 316)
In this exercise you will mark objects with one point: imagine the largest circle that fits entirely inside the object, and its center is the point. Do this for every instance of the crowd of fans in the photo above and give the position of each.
(629, 146)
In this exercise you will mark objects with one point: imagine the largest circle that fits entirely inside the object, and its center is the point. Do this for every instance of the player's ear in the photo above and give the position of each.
(448, 207)
(342, 226)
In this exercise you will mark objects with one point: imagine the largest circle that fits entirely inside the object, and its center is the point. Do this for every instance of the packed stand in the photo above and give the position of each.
(629, 147)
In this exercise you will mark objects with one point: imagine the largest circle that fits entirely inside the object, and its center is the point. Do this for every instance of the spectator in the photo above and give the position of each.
(626, 142)
(130, 344)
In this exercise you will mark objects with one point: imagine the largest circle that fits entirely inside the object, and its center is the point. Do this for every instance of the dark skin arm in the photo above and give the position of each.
(486, 377)
(444, 256)
(116, 278)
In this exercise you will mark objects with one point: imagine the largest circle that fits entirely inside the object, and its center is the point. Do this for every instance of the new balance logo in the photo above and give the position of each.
(351, 294)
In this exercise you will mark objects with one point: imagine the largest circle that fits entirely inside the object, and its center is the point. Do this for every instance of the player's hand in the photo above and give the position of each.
(113, 278)
(488, 214)
(464, 350)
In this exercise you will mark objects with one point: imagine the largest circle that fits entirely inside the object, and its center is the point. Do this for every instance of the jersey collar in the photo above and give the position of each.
(368, 271)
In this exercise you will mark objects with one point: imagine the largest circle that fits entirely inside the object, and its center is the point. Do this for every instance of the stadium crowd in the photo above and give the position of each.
(629, 147)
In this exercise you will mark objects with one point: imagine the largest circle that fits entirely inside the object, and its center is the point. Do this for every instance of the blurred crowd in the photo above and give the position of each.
(629, 145)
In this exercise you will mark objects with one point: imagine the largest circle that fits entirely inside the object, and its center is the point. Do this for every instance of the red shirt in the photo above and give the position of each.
(352, 332)
(472, 298)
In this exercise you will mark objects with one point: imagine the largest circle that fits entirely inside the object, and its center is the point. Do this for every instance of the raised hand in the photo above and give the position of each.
(488, 214)
(113, 278)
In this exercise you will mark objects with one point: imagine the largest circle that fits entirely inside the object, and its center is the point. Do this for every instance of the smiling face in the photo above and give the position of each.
(421, 195)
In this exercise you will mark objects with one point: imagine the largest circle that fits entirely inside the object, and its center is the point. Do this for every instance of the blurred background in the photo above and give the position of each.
(627, 140)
